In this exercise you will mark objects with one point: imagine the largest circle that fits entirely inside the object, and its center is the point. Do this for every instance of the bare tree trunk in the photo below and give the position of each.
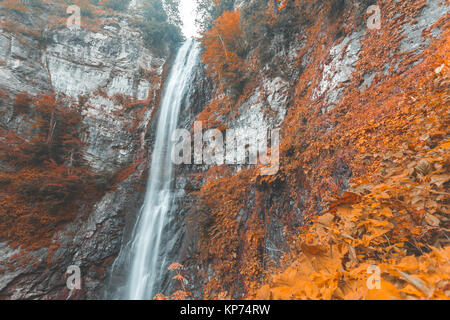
(71, 163)
(51, 131)
(223, 44)
(50, 128)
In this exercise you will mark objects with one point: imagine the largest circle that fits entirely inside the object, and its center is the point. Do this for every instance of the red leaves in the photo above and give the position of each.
(22, 102)
(46, 178)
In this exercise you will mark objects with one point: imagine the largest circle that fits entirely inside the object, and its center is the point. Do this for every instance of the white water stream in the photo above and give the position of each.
(146, 247)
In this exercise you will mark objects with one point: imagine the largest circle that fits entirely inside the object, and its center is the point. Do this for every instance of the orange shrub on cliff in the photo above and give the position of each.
(224, 47)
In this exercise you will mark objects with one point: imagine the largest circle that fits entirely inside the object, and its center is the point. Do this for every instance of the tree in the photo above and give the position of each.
(209, 10)
(160, 24)
(172, 8)
(224, 47)
(47, 179)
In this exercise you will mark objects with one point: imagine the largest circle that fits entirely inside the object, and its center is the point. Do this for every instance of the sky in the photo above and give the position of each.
(187, 12)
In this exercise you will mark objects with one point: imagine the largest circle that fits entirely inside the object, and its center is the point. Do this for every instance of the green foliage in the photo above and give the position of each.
(160, 25)
(209, 10)
(116, 5)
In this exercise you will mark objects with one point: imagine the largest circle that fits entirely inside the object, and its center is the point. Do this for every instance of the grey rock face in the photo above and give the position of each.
(92, 68)
(413, 32)
(339, 71)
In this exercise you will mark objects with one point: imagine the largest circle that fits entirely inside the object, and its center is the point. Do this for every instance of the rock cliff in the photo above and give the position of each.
(104, 68)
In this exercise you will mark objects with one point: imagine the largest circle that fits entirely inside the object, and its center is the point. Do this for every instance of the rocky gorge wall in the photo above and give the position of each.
(109, 73)
(323, 76)
(352, 104)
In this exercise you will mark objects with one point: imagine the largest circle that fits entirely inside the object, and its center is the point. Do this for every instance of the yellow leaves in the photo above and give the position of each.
(311, 248)
(374, 229)
(323, 277)
(445, 145)
(431, 220)
(416, 283)
(326, 219)
(342, 243)
(387, 292)
(439, 180)
(311, 277)
(346, 198)
(386, 212)
(425, 277)
(285, 285)
(376, 223)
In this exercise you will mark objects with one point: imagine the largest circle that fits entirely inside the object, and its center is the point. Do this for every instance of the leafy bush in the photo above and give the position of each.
(160, 26)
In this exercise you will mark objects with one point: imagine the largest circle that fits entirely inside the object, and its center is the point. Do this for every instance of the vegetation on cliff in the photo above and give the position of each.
(369, 175)
(47, 181)
(361, 198)
(158, 20)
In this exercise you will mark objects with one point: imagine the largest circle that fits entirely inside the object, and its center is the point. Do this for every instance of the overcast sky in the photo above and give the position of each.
(187, 11)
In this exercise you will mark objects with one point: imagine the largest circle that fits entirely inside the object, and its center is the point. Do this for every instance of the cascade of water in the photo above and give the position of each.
(146, 246)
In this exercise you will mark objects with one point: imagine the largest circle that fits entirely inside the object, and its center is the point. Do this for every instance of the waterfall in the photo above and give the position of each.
(146, 247)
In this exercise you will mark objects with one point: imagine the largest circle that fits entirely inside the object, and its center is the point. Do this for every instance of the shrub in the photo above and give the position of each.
(160, 28)
(224, 48)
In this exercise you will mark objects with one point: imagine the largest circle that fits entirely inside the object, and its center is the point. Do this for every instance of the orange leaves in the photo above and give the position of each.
(179, 294)
(38, 201)
(282, 4)
(223, 46)
(386, 224)
(385, 144)
(373, 228)
(346, 198)
(387, 292)
(223, 221)
(46, 179)
(312, 276)
(175, 266)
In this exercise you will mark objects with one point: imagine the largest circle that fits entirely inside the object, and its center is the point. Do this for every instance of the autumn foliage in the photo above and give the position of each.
(46, 176)
(363, 184)
(180, 294)
(223, 45)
